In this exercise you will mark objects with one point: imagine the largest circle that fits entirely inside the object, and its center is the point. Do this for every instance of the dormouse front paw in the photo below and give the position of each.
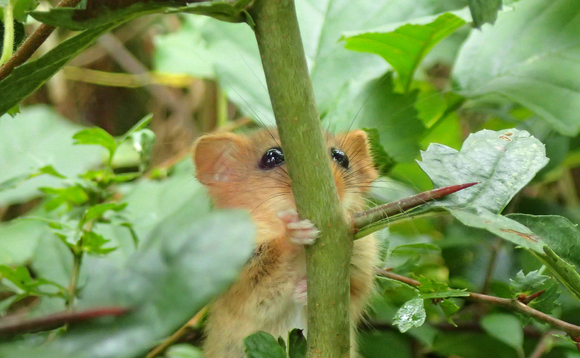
(300, 232)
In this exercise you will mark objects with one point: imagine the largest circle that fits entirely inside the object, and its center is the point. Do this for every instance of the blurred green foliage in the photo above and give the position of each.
(105, 229)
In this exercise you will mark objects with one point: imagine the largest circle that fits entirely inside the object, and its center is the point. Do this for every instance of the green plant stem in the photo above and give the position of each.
(8, 44)
(74, 280)
(511, 304)
(305, 152)
(221, 108)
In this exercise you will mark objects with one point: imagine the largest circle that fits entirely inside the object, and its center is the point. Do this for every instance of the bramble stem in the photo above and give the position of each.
(327, 261)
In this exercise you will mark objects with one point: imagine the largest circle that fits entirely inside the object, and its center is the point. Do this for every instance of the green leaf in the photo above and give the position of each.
(405, 47)
(539, 69)
(563, 240)
(72, 196)
(534, 282)
(527, 283)
(505, 328)
(557, 232)
(503, 162)
(411, 314)
(434, 289)
(332, 68)
(400, 129)
(449, 308)
(193, 260)
(383, 162)
(296, 344)
(93, 244)
(565, 272)
(39, 137)
(263, 345)
(97, 211)
(108, 12)
(96, 136)
(27, 78)
(22, 7)
(183, 351)
(14, 182)
(484, 11)
(49, 169)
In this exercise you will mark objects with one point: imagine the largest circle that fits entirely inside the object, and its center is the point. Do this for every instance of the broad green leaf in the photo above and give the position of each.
(193, 260)
(27, 78)
(399, 127)
(411, 314)
(501, 226)
(502, 162)
(405, 47)
(296, 344)
(107, 12)
(563, 240)
(263, 345)
(506, 328)
(19, 239)
(40, 138)
(557, 232)
(194, 59)
(484, 11)
(383, 162)
(530, 56)
(96, 136)
(232, 53)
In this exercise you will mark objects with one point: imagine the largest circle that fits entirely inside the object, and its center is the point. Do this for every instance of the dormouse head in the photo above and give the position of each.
(249, 171)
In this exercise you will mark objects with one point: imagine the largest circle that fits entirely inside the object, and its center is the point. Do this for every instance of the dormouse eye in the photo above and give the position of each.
(339, 157)
(271, 159)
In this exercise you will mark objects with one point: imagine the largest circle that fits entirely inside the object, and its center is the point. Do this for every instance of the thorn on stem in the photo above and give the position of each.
(527, 299)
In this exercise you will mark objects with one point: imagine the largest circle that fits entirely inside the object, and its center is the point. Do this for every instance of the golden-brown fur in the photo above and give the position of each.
(263, 298)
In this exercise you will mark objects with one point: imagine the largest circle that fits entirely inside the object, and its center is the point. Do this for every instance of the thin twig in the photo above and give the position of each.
(177, 335)
(515, 305)
(32, 43)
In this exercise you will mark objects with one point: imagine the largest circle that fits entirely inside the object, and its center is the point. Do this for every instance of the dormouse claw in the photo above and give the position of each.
(300, 232)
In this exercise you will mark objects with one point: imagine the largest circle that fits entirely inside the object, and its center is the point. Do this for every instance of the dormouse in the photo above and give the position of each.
(249, 172)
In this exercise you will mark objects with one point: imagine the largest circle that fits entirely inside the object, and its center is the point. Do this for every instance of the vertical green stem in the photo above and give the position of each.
(221, 107)
(8, 44)
(74, 280)
(307, 157)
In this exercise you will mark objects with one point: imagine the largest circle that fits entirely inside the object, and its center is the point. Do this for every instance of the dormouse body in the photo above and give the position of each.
(248, 172)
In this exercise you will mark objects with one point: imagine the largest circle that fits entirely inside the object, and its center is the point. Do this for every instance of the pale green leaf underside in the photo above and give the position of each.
(532, 56)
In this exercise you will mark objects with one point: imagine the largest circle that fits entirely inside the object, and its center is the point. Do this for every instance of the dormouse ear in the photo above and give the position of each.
(357, 147)
(218, 157)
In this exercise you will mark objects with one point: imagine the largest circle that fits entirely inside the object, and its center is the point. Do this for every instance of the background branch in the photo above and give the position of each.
(32, 43)
(512, 304)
